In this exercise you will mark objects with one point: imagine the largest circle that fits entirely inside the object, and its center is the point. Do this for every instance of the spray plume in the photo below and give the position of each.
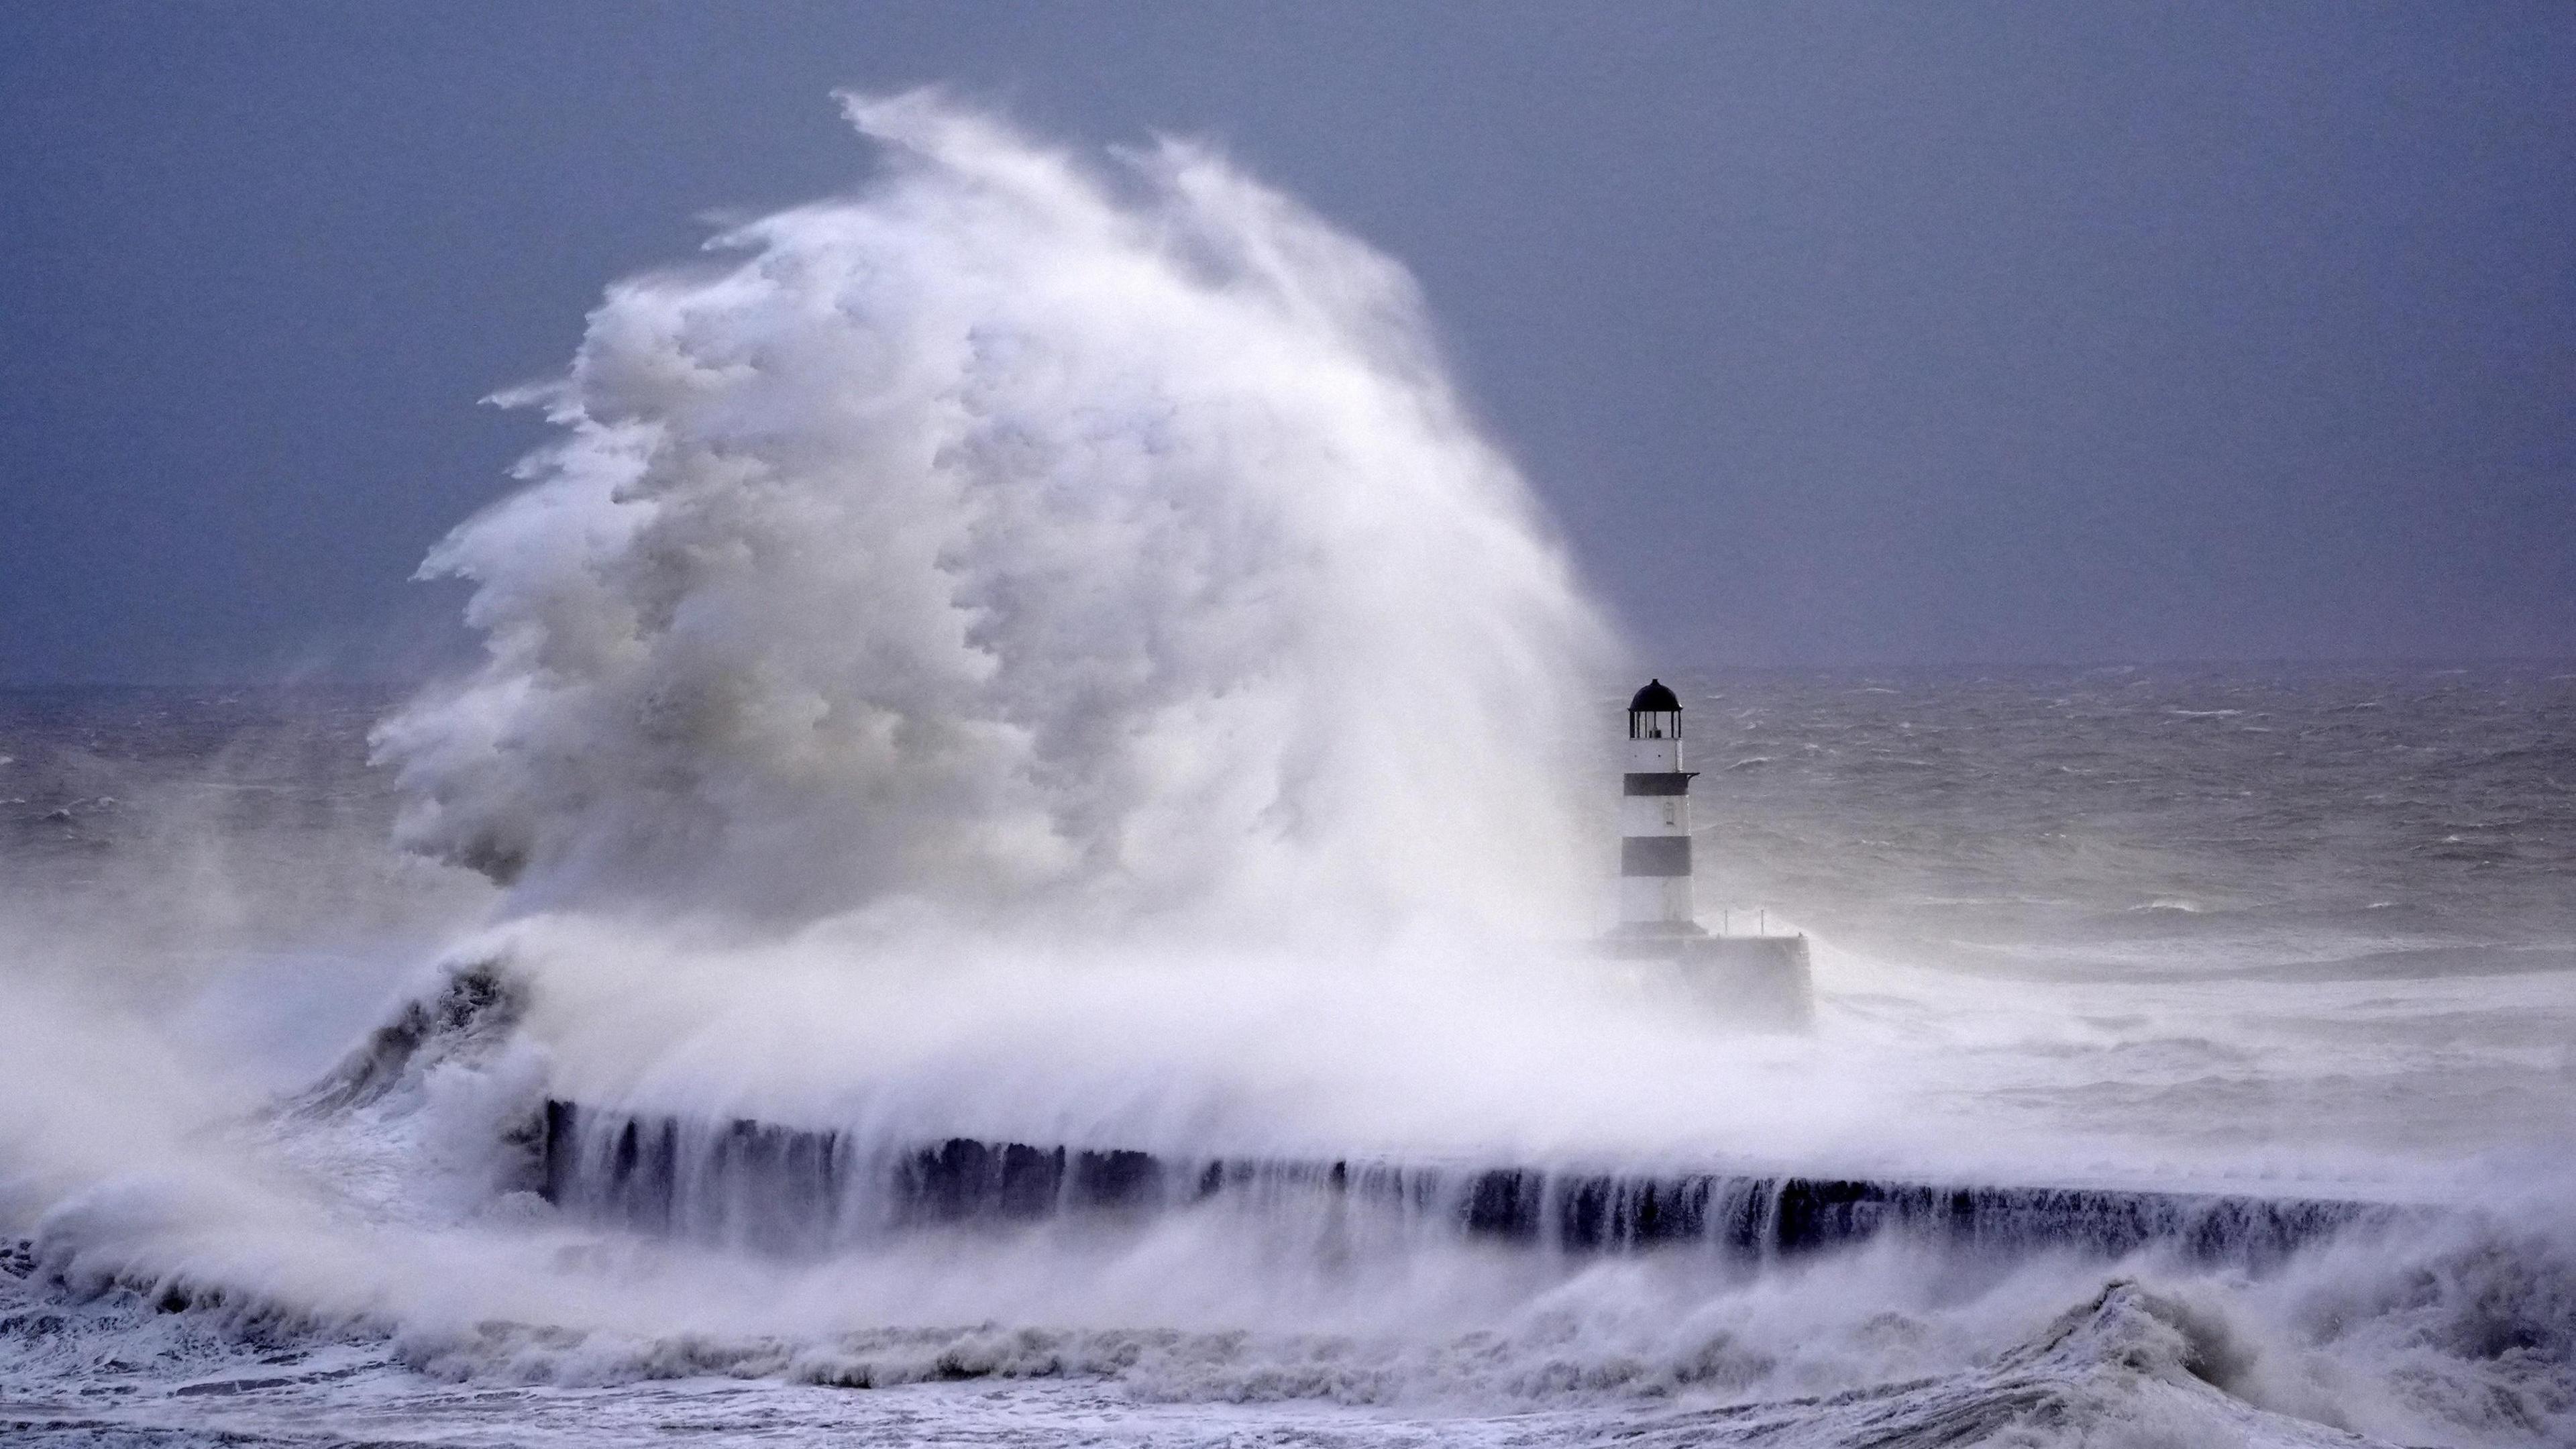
(1015, 542)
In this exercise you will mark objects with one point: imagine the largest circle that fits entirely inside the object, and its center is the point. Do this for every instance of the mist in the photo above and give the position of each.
(1020, 539)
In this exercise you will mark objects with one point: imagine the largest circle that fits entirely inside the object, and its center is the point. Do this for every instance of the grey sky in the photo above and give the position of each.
(1906, 333)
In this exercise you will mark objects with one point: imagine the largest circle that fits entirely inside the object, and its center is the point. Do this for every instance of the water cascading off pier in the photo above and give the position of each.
(801, 1190)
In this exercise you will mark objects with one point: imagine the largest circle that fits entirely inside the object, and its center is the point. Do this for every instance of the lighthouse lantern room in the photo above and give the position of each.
(1654, 820)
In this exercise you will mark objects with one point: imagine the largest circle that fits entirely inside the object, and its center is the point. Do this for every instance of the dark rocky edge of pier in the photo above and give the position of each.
(799, 1190)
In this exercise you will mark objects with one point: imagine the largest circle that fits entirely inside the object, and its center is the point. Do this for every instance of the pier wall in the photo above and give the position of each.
(794, 1190)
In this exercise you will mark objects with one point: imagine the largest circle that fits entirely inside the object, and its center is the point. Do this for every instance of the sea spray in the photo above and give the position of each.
(1016, 542)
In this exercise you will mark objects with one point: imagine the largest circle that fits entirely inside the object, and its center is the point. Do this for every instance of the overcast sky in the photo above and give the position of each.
(1904, 333)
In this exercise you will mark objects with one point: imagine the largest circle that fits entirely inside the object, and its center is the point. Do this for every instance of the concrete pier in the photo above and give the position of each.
(803, 1190)
(1758, 981)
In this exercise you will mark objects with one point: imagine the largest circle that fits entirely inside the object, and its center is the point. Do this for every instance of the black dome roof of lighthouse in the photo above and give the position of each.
(1654, 699)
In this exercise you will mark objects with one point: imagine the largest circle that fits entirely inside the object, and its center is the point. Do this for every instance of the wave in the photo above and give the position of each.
(2456, 1340)
(1015, 542)
(1423, 1301)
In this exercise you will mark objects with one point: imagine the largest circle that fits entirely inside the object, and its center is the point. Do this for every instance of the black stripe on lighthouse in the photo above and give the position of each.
(1658, 782)
(1655, 855)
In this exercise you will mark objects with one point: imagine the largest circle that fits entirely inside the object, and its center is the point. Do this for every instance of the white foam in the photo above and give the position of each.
(1017, 541)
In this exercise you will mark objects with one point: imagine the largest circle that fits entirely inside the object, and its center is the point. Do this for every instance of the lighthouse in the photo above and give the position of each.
(1758, 981)
(1654, 820)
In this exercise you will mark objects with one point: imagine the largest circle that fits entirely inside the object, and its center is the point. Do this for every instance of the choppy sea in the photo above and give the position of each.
(2279, 933)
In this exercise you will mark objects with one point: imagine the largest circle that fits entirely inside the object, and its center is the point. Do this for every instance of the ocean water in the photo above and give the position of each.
(2277, 932)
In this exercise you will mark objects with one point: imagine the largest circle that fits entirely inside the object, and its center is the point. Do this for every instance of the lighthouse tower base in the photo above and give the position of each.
(1759, 981)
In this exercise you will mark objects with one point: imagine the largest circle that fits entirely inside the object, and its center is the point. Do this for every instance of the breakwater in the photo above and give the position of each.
(786, 1189)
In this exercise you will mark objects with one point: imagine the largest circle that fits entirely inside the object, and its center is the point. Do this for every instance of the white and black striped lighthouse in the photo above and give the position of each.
(1654, 820)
